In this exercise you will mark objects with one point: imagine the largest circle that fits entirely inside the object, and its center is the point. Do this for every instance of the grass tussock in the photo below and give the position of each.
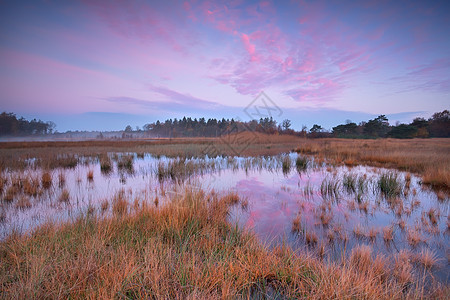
(31, 186)
(296, 224)
(301, 163)
(390, 184)
(125, 163)
(185, 248)
(414, 237)
(105, 164)
(388, 234)
(403, 269)
(286, 164)
(46, 180)
(120, 203)
(427, 258)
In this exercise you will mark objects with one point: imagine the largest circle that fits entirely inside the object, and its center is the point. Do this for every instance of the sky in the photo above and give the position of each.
(101, 65)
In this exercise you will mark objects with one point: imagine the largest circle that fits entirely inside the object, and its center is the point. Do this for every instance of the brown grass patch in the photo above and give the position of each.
(388, 233)
(46, 180)
(183, 249)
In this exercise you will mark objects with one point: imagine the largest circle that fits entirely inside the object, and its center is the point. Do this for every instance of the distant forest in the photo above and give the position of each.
(436, 126)
(10, 125)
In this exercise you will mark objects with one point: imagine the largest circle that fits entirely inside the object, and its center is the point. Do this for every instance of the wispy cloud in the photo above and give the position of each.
(171, 101)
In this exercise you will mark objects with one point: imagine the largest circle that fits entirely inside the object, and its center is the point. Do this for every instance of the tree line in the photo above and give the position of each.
(436, 126)
(188, 127)
(10, 125)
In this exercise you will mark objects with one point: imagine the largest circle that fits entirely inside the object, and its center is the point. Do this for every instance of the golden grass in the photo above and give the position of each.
(185, 248)
(65, 154)
(428, 157)
(388, 233)
(46, 180)
(372, 234)
(403, 269)
(120, 203)
(296, 223)
(414, 237)
(427, 258)
(311, 238)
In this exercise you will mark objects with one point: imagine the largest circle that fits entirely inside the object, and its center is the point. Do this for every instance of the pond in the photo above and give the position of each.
(322, 209)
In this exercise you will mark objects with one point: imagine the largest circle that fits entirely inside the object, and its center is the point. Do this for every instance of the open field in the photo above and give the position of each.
(265, 216)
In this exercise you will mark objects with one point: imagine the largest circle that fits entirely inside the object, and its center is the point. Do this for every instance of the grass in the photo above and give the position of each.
(349, 182)
(390, 185)
(11, 193)
(197, 271)
(125, 162)
(185, 248)
(311, 238)
(31, 186)
(286, 164)
(296, 224)
(120, 203)
(427, 258)
(105, 164)
(330, 187)
(403, 269)
(46, 180)
(104, 205)
(414, 237)
(388, 234)
(428, 157)
(301, 163)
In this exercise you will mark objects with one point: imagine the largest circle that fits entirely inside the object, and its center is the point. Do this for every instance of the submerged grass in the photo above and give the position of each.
(286, 164)
(330, 187)
(301, 163)
(390, 184)
(185, 248)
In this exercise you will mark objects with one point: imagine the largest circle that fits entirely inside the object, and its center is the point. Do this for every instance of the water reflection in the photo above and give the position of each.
(322, 209)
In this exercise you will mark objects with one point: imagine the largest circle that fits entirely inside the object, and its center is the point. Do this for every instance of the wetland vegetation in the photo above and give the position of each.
(287, 217)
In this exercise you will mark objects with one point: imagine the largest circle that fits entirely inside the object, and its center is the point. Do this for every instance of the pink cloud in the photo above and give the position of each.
(249, 47)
